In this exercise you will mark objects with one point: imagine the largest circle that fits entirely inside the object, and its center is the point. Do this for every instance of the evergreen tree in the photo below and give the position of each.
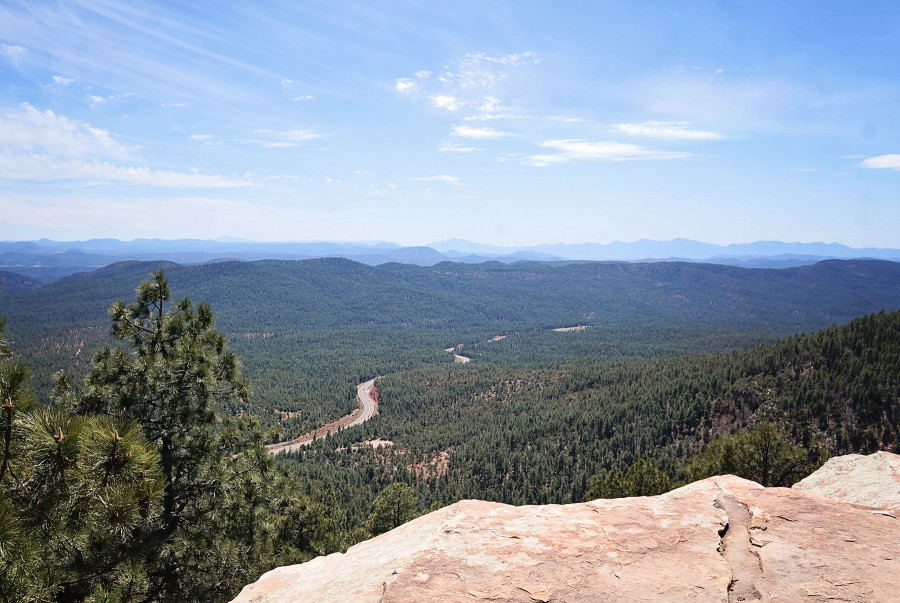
(78, 495)
(762, 454)
(394, 506)
(641, 479)
(217, 527)
(178, 369)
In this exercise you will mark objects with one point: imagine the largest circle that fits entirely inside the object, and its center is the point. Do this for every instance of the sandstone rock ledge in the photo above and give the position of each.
(719, 539)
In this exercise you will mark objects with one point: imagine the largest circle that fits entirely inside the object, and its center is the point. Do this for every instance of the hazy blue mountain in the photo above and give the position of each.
(638, 250)
(47, 260)
(461, 246)
(686, 249)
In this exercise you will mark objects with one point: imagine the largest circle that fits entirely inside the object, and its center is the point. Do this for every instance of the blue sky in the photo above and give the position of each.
(509, 123)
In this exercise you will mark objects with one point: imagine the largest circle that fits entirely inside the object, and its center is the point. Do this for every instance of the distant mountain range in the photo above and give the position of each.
(46, 261)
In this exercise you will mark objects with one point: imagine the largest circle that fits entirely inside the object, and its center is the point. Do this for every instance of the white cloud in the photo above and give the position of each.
(883, 162)
(62, 81)
(474, 85)
(567, 119)
(514, 59)
(585, 150)
(479, 133)
(449, 147)
(201, 136)
(13, 52)
(273, 139)
(439, 178)
(98, 100)
(46, 168)
(43, 146)
(673, 130)
(28, 130)
(490, 104)
(445, 101)
(304, 97)
(300, 135)
(494, 116)
(404, 85)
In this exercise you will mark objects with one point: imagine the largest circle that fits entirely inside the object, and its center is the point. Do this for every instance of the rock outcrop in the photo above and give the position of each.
(872, 480)
(719, 539)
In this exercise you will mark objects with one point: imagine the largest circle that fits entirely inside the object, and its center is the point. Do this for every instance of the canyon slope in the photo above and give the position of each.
(719, 539)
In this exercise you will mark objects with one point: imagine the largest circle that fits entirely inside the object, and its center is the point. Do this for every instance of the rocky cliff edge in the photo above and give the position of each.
(834, 536)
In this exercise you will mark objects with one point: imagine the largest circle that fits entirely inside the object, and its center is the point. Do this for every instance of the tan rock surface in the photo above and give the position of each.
(780, 544)
(873, 481)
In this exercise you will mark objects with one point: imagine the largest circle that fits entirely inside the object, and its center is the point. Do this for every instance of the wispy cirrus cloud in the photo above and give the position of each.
(473, 86)
(671, 130)
(586, 150)
(26, 129)
(99, 100)
(13, 52)
(44, 168)
(479, 133)
(495, 116)
(439, 178)
(43, 146)
(274, 139)
(449, 147)
(883, 162)
(567, 119)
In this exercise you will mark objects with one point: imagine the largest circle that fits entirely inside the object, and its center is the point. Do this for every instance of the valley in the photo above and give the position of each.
(391, 295)
(521, 383)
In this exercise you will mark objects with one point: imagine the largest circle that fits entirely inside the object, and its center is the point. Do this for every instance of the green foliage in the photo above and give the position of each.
(78, 498)
(216, 529)
(641, 479)
(762, 454)
(136, 488)
(532, 437)
(178, 369)
(78, 495)
(309, 331)
(5, 351)
(394, 506)
(537, 417)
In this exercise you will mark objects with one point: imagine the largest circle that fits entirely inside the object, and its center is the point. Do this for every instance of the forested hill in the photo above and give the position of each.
(330, 292)
(11, 282)
(667, 362)
(536, 437)
(308, 331)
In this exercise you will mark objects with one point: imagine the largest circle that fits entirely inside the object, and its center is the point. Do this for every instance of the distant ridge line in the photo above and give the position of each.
(45, 260)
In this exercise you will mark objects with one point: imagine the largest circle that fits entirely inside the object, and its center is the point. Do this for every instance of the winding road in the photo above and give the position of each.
(368, 401)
